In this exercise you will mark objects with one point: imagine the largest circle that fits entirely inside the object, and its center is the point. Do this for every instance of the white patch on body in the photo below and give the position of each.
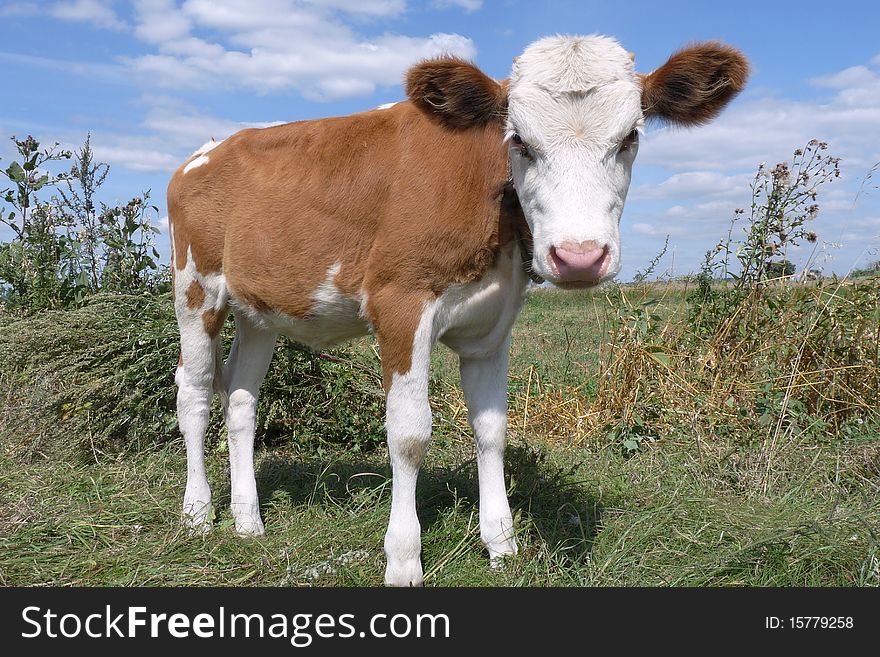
(242, 376)
(484, 383)
(334, 318)
(194, 164)
(385, 106)
(475, 319)
(171, 236)
(201, 155)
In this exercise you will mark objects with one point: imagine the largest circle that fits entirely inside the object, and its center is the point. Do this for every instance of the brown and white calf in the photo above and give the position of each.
(420, 222)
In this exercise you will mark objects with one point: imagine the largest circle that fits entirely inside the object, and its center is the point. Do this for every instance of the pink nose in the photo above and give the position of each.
(587, 262)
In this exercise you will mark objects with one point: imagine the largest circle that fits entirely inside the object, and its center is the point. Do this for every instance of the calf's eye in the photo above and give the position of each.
(521, 145)
(631, 139)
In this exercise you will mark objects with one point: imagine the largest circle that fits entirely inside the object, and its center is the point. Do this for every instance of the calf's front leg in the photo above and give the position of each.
(406, 354)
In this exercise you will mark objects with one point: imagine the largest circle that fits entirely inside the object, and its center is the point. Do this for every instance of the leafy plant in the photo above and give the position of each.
(70, 245)
(782, 205)
(29, 264)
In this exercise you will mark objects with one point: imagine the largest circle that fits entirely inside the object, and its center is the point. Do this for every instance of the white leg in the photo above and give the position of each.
(244, 373)
(197, 297)
(408, 423)
(194, 379)
(484, 381)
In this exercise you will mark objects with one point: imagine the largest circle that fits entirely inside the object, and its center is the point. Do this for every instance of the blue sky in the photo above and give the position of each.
(154, 79)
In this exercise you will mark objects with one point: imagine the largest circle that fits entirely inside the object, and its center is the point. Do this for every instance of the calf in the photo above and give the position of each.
(419, 222)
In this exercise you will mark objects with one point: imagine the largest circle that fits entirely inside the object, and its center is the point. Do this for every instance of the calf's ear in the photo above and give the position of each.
(695, 84)
(456, 93)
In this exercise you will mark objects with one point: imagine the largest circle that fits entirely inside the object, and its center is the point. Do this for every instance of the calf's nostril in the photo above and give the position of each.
(585, 261)
(580, 258)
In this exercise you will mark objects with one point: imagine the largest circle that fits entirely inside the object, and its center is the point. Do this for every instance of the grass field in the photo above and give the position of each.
(708, 499)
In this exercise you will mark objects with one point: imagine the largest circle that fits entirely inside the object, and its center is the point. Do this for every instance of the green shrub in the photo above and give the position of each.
(69, 245)
(101, 378)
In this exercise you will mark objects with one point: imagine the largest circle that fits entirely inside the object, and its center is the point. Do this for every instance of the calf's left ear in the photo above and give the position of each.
(695, 84)
(456, 93)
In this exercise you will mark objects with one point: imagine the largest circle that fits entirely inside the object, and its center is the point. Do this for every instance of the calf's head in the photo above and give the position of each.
(571, 113)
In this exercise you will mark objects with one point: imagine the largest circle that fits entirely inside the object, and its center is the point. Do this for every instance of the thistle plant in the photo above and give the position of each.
(784, 202)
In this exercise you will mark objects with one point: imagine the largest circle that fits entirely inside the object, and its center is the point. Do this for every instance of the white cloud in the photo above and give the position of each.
(278, 46)
(694, 184)
(854, 76)
(867, 222)
(718, 209)
(644, 229)
(99, 13)
(93, 70)
(184, 127)
(170, 131)
(160, 21)
(135, 157)
(236, 16)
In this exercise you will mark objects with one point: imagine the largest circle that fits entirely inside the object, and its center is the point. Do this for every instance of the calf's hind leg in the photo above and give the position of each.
(245, 370)
(195, 385)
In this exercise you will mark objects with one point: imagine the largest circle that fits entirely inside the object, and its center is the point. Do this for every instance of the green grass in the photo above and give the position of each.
(690, 509)
(584, 518)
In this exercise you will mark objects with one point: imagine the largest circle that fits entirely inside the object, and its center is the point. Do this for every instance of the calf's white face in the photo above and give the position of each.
(575, 109)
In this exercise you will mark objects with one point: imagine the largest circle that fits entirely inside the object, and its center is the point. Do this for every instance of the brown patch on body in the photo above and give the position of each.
(406, 204)
(195, 296)
(695, 84)
(213, 320)
(198, 223)
(398, 313)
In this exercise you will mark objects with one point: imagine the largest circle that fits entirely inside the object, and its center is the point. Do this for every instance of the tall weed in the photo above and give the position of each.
(758, 356)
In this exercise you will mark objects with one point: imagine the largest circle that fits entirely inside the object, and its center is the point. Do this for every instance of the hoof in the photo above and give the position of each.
(252, 526)
(500, 551)
(198, 517)
(247, 518)
(404, 573)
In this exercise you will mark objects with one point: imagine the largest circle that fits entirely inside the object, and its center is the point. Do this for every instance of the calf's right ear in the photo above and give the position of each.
(455, 93)
(695, 84)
